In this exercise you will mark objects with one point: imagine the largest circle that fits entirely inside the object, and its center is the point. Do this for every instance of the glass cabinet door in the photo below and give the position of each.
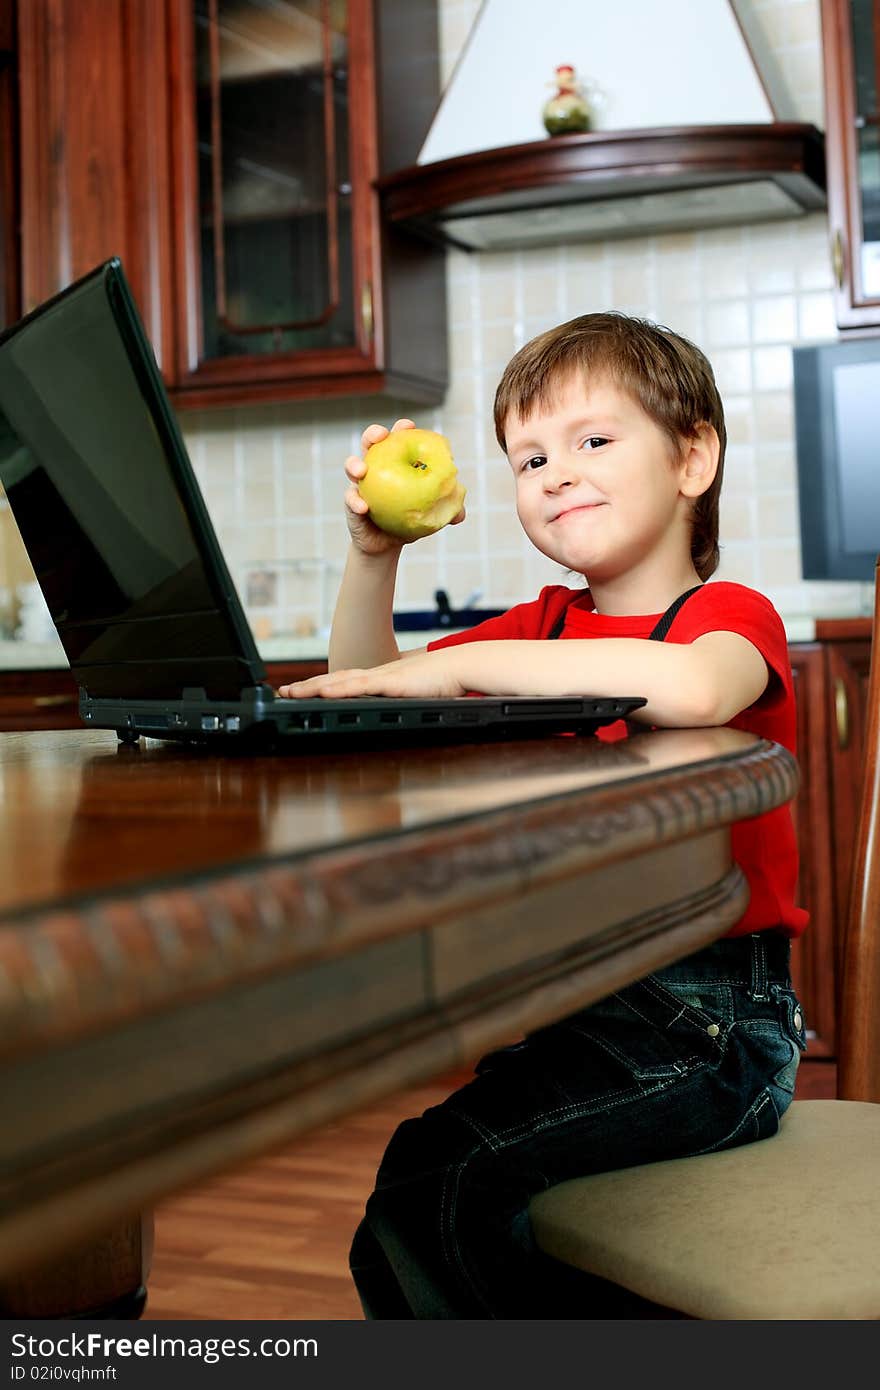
(274, 225)
(865, 20)
(274, 189)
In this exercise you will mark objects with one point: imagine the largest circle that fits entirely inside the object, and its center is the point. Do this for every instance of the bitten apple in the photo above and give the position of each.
(411, 484)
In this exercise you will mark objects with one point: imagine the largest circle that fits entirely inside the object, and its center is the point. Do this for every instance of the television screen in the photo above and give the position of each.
(837, 427)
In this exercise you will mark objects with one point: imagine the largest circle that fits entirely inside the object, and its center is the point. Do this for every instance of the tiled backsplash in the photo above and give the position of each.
(273, 476)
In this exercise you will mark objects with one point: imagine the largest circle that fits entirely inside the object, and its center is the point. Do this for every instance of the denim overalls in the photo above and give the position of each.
(698, 1057)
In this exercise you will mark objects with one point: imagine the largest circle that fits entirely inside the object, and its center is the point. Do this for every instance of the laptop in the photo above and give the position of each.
(100, 485)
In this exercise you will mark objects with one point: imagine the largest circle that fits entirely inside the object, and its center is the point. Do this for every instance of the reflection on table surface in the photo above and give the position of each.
(81, 812)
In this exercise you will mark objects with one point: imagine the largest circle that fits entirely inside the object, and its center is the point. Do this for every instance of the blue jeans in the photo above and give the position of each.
(700, 1056)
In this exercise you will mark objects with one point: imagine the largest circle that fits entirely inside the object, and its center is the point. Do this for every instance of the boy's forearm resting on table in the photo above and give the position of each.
(705, 682)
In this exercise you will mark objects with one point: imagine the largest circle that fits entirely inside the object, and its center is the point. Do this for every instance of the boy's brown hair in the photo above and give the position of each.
(670, 378)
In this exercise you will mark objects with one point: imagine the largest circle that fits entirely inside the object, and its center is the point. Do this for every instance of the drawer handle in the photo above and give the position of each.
(367, 310)
(837, 261)
(53, 701)
(841, 713)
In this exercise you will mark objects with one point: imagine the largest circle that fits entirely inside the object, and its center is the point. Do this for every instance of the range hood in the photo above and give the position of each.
(693, 128)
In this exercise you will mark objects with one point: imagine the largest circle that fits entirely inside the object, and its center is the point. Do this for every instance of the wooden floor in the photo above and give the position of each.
(271, 1240)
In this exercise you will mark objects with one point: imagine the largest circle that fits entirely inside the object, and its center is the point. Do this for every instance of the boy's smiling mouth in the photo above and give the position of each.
(578, 507)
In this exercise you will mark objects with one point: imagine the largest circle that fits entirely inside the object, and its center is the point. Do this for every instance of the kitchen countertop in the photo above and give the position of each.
(25, 656)
(45, 656)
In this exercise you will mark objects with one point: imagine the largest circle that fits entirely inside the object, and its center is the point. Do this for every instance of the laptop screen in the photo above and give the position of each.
(104, 497)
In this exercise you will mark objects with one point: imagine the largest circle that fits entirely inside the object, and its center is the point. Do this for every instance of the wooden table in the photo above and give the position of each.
(203, 956)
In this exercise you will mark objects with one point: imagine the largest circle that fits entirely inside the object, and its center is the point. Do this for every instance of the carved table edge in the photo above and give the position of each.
(122, 955)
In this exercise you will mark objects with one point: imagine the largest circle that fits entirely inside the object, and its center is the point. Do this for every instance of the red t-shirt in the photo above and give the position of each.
(764, 847)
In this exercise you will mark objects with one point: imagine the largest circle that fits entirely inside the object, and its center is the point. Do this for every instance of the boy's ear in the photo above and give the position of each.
(700, 462)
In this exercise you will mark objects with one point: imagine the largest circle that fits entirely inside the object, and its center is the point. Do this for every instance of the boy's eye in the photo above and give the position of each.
(595, 441)
(534, 462)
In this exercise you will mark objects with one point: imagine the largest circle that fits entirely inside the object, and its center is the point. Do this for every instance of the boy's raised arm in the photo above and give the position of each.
(362, 633)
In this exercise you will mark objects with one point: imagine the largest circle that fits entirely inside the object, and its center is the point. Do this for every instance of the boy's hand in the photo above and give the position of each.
(366, 536)
(431, 675)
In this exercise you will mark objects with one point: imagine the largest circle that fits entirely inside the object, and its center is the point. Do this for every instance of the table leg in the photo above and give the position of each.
(103, 1279)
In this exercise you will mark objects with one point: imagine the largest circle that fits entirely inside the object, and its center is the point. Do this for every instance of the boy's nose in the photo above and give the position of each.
(559, 473)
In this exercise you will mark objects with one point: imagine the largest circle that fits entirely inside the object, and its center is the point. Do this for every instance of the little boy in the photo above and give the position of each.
(615, 434)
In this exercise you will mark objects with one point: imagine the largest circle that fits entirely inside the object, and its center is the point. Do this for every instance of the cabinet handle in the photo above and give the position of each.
(837, 260)
(367, 310)
(841, 713)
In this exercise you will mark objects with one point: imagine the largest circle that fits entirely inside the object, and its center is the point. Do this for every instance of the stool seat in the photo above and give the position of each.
(787, 1227)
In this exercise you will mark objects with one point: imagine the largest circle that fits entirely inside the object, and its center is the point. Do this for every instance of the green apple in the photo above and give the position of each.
(411, 484)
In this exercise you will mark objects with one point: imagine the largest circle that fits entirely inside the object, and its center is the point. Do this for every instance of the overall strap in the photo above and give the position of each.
(659, 631)
(665, 622)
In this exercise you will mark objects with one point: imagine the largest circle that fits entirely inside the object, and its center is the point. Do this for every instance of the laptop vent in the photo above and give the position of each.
(376, 720)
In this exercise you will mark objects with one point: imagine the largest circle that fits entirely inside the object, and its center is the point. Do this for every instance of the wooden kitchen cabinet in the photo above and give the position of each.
(93, 130)
(48, 699)
(851, 62)
(813, 956)
(227, 151)
(9, 171)
(38, 700)
(830, 683)
(9, 255)
(848, 667)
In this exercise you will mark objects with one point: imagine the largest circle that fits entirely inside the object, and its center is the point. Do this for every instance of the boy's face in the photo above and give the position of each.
(597, 488)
